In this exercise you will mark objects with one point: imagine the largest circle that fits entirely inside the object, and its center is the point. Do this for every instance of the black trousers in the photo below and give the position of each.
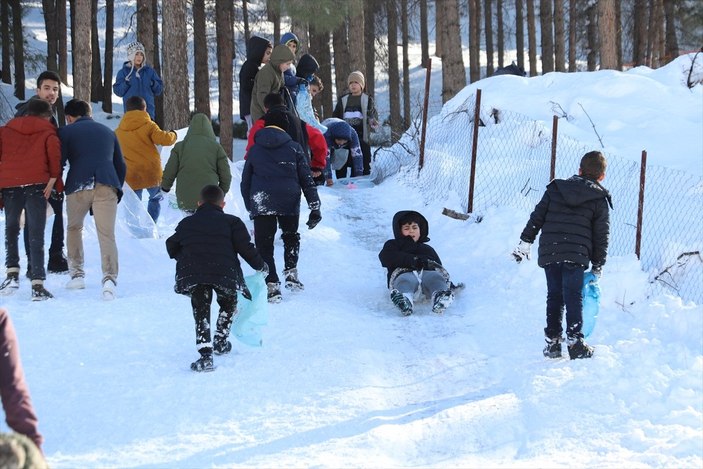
(564, 289)
(200, 300)
(57, 231)
(264, 234)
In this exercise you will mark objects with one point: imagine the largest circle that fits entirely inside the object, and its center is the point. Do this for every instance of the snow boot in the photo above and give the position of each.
(221, 345)
(441, 301)
(579, 349)
(553, 347)
(57, 264)
(204, 363)
(39, 293)
(292, 282)
(10, 285)
(403, 302)
(274, 292)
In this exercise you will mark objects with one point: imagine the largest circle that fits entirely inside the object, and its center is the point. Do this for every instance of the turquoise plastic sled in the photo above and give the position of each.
(251, 315)
(591, 302)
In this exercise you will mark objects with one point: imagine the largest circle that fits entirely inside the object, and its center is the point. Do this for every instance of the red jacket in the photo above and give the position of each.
(316, 142)
(30, 153)
(19, 413)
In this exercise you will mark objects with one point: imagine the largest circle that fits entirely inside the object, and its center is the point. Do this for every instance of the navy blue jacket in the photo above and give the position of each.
(574, 216)
(274, 174)
(400, 254)
(94, 156)
(206, 245)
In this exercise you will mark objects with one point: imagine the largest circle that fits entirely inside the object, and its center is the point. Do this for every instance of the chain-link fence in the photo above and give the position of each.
(512, 167)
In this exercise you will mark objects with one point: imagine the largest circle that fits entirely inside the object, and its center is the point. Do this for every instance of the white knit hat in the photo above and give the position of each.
(133, 48)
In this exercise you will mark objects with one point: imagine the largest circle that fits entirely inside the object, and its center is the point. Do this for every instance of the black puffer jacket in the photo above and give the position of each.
(399, 255)
(574, 216)
(205, 246)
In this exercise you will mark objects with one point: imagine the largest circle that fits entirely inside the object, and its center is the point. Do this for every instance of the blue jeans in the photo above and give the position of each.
(31, 199)
(564, 287)
(154, 204)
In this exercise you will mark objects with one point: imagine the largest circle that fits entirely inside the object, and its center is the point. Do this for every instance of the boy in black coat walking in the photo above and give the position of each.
(205, 246)
(413, 265)
(574, 216)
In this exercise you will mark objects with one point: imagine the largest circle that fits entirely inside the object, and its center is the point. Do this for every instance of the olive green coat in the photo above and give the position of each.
(196, 161)
(269, 80)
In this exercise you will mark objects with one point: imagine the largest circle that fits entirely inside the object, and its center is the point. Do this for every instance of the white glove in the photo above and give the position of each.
(522, 251)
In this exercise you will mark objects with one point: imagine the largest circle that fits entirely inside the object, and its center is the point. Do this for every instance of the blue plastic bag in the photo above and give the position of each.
(591, 302)
(252, 315)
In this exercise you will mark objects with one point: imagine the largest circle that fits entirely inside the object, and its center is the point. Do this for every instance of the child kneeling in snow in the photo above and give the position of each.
(205, 246)
(413, 265)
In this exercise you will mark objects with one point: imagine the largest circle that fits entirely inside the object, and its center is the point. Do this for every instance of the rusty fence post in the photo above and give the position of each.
(640, 204)
(474, 147)
(553, 165)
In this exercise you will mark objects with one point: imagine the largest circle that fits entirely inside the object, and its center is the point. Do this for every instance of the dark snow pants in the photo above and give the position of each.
(264, 234)
(200, 300)
(564, 286)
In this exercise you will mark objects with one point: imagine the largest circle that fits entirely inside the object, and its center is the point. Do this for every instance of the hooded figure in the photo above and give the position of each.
(307, 67)
(256, 50)
(337, 130)
(137, 78)
(269, 79)
(196, 161)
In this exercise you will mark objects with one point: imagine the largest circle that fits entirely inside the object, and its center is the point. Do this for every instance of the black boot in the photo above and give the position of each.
(204, 363)
(579, 349)
(553, 347)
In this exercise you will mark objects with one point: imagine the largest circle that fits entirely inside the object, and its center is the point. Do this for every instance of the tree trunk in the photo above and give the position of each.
(320, 43)
(531, 37)
(96, 83)
(592, 37)
(439, 27)
(659, 44)
(406, 63)
(18, 43)
(5, 38)
(474, 41)
(245, 20)
(175, 66)
(559, 45)
(158, 100)
(370, 8)
(109, 53)
(488, 22)
(572, 35)
(453, 70)
(520, 33)
(607, 34)
(618, 32)
(273, 11)
(52, 41)
(671, 47)
(424, 35)
(501, 33)
(224, 15)
(393, 74)
(145, 28)
(546, 20)
(201, 72)
(72, 16)
(639, 33)
(62, 34)
(357, 53)
(82, 50)
(341, 58)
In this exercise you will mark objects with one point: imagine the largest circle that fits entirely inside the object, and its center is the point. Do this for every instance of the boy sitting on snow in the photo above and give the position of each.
(413, 265)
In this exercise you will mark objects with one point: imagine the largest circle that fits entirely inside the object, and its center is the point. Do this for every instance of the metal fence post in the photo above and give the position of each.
(553, 166)
(423, 132)
(474, 147)
(640, 204)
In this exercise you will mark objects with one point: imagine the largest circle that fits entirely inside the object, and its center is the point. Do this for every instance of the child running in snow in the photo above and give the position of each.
(413, 265)
(205, 246)
(574, 217)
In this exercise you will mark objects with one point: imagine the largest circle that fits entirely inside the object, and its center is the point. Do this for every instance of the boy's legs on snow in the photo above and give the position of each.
(14, 204)
(264, 234)
(291, 250)
(227, 301)
(403, 290)
(200, 300)
(35, 214)
(366, 153)
(564, 285)
(436, 288)
(77, 207)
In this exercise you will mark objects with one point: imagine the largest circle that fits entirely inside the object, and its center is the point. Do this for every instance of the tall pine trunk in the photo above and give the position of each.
(109, 53)
(341, 58)
(424, 35)
(453, 70)
(82, 50)
(607, 35)
(245, 20)
(320, 43)
(406, 62)
(520, 33)
(393, 74)
(572, 35)
(18, 48)
(531, 37)
(559, 45)
(488, 26)
(5, 38)
(96, 82)
(175, 66)
(52, 40)
(370, 9)
(62, 34)
(474, 41)
(357, 51)
(545, 23)
(201, 77)
(639, 33)
(501, 33)
(224, 14)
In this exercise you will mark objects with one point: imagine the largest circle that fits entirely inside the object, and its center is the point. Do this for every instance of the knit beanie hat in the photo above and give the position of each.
(358, 77)
(276, 117)
(133, 48)
(287, 37)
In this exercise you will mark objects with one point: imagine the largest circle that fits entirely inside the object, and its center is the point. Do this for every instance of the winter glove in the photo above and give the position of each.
(597, 270)
(522, 251)
(314, 218)
(420, 263)
(56, 195)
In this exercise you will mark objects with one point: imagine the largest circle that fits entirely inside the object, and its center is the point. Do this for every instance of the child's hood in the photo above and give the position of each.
(307, 65)
(257, 47)
(424, 226)
(272, 137)
(577, 190)
(133, 120)
(200, 125)
(280, 55)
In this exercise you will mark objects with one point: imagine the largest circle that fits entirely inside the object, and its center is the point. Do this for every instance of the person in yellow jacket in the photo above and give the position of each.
(138, 136)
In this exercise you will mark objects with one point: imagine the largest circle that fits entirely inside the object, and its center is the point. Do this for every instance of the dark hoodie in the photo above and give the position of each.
(274, 174)
(574, 216)
(307, 65)
(256, 47)
(402, 252)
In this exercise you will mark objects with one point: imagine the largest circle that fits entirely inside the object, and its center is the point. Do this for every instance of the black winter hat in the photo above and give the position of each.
(276, 117)
(307, 65)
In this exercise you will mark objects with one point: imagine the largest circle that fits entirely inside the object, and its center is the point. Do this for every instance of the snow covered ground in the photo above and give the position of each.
(342, 380)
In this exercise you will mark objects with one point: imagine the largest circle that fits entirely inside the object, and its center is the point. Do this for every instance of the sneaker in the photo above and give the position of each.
(109, 290)
(553, 347)
(404, 304)
(579, 349)
(76, 283)
(292, 282)
(274, 292)
(441, 301)
(57, 265)
(10, 285)
(39, 293)
(221, 346)
(204, 363)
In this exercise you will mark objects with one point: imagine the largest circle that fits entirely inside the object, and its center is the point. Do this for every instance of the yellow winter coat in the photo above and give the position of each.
(138, 136)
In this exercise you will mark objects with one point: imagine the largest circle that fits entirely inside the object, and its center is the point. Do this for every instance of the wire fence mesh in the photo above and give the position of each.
(512, 168)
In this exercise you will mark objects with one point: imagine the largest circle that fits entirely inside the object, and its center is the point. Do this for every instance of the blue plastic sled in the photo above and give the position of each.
(252, 315)
(591, 302)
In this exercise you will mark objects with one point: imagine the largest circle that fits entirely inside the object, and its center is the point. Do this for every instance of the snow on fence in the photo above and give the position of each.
(514, 158)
